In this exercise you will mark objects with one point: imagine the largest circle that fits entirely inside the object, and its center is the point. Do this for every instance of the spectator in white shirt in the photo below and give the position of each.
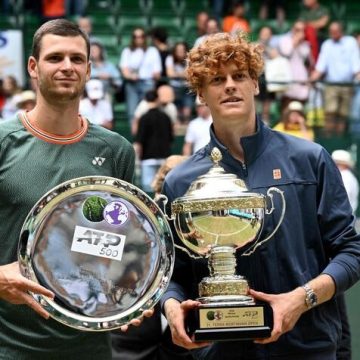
(345, 164)
(197, 134)
(296, 49)
(338, 62)
(95, 107)
(140, 66)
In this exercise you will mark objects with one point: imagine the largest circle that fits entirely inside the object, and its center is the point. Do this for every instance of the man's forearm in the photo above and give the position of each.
(323, 286)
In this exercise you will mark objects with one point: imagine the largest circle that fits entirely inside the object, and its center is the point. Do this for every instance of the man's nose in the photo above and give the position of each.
(66, 64)
(229, 83)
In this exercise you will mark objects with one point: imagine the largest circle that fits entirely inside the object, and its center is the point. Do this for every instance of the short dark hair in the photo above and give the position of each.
(159, 33)
(60, 27)
(151, 95)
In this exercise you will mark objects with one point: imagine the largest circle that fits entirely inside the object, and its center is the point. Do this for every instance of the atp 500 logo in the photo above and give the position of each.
(98, 243)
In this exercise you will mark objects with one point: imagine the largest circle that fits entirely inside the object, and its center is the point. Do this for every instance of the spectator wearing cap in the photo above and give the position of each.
(95, 107)
(345, 165)
(293, 122)
(26, 100)
(198, 132)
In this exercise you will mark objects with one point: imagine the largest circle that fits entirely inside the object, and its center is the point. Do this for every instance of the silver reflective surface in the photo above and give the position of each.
(202, 230)
(102, 246)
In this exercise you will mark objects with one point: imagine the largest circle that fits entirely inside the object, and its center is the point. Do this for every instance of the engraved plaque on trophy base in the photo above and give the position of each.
(226, 322)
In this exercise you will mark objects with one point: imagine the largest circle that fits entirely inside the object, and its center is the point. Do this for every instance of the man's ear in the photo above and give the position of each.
(201, 98)
(32, 67)
(88, 71)
(256, 84)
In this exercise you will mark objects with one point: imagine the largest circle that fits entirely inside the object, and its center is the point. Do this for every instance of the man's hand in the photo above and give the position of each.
(138, 321)
(287, 309)
(14, 288)
(176, 313)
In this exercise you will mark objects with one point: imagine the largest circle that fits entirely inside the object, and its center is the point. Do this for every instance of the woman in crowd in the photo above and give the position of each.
(140, 66)
(103, 69)
(175, 70)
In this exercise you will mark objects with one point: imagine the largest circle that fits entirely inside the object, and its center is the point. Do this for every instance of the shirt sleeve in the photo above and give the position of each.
(108, 112)
(155, 59)
(190, 136)
(124, 58)
(169, 61)
(340, 239)
(321, 64)
(355, 56)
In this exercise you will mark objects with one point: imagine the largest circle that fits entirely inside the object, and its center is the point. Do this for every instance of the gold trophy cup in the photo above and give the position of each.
(216, 216)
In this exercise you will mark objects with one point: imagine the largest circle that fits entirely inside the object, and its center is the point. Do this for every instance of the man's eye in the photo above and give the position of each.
(54, 58)
(216, 80)
(239, 76)
(78, 59)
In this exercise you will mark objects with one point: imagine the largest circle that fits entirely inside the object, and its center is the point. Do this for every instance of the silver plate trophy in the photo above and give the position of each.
(215, 217)
(102, 246)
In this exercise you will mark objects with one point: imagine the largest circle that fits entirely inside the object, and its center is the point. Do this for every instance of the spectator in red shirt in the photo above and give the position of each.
(236, 21)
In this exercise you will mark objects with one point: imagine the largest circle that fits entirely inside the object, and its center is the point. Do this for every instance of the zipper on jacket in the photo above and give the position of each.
(244, 168)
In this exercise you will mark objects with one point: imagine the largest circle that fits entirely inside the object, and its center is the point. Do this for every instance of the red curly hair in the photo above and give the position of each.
(218, 49)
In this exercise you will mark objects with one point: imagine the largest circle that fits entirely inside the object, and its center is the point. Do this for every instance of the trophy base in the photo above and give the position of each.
(229, 322)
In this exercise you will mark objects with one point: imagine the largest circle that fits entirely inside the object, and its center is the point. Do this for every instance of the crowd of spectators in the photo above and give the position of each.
(315, 53)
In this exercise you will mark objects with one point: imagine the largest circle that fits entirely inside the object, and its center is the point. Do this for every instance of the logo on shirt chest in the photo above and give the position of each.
(276, 174)
(98, 160)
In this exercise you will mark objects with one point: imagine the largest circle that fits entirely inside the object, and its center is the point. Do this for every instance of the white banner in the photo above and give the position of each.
(12, 55)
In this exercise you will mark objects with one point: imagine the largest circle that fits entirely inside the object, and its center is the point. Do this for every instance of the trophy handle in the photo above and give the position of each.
(189, 253)
(164, 200)
(268, 212)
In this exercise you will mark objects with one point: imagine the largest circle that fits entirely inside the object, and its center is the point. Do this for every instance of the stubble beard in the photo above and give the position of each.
(55, 95)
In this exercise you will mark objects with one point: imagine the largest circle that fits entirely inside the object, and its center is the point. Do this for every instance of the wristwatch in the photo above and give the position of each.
(310, 296)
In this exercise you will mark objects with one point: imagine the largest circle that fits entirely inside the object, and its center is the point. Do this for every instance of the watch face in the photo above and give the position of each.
(310, 297)
(313, 299)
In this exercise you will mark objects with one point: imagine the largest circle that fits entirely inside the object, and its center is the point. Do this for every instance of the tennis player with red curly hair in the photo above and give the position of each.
(314, 255)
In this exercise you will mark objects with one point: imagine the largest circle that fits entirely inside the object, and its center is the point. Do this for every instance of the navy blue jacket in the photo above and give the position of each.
(316, 236)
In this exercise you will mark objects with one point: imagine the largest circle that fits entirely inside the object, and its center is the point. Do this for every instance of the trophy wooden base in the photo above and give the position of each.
(222, 322)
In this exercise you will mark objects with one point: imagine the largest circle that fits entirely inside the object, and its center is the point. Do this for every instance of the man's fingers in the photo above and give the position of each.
(189, 304)
(135, 322)
(182, 339)
(260, 295)
(30, 301)
(28, 285)
(124, 328)
(148, 313)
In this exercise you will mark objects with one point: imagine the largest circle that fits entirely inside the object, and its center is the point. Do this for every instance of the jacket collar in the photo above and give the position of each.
(253, 145)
